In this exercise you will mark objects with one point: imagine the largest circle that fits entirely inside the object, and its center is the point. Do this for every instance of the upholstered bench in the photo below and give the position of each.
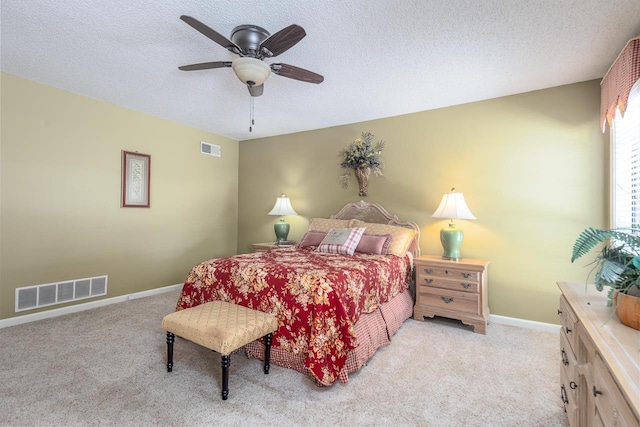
(222, 327)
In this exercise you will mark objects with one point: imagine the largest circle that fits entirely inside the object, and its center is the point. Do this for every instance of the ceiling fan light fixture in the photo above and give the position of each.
(251, 71)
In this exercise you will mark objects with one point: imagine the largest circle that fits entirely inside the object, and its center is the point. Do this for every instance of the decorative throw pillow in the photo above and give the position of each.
(341, 241)
(401, 237)
(312, 238)
(374, 244)
(326, 224)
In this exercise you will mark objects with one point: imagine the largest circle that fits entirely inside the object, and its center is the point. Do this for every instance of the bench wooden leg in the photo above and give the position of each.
(170, 339)
(226, 361)
(267, 352)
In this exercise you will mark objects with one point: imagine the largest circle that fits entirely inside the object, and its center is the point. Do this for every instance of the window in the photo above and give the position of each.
(625, 165)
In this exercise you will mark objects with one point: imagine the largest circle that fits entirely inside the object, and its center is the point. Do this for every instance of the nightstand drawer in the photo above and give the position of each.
(455, 285)
(450, 273)
(464, 302)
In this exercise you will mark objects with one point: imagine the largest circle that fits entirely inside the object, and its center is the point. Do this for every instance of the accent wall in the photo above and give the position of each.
(533, 168)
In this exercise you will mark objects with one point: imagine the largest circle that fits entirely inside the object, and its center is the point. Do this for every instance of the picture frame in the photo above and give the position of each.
(136, 179)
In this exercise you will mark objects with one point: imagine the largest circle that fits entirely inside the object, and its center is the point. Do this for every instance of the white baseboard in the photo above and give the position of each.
(12, 321)
(522, 323)
(26, 318)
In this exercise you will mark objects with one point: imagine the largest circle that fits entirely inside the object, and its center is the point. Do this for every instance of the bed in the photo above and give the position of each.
(334, 310)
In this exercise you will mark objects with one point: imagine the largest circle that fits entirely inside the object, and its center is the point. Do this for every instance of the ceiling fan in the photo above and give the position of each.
(252, 44)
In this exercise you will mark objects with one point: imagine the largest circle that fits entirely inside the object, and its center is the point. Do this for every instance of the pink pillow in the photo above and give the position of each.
(312, 238)
(341, 240)
(375, 244)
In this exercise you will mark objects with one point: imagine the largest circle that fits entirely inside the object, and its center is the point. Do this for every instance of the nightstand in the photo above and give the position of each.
(453, 289)
(263, 247)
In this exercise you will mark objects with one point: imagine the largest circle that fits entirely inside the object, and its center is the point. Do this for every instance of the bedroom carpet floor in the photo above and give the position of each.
(107, 366)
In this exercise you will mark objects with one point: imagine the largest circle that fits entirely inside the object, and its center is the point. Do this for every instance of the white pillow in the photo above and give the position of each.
(341, 240)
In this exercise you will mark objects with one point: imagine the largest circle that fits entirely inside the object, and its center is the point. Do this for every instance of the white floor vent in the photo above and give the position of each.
(210, 149)
(30, 297)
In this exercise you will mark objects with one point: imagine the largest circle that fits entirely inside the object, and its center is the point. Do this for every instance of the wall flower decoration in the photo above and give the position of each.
(363, 157)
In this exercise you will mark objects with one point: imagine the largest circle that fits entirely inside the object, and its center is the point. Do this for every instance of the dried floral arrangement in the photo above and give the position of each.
(362, 153)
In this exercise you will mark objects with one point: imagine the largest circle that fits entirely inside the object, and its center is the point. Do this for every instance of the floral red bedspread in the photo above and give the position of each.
(317, 297)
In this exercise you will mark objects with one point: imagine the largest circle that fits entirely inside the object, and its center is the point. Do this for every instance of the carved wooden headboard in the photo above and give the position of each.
(373, 212)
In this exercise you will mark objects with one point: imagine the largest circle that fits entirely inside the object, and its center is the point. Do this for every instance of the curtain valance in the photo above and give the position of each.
(617, 83)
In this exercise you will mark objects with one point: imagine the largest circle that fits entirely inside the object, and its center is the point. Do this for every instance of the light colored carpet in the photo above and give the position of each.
(107, 367)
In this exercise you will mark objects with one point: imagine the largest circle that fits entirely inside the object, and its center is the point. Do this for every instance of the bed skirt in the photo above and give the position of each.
(373, 330)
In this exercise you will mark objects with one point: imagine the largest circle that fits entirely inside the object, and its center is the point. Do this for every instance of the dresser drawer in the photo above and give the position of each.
(455, 285)
(611, 405)
(568, 322)
(568, 372)
(569, 398)
(449, 273)
(463, 302)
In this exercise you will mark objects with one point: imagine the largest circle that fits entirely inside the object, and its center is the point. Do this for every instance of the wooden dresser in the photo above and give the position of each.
(453, 289)
(599, 361)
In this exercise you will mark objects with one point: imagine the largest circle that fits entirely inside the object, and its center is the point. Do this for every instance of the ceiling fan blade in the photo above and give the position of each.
(296, 73)
(211, 33)
(282, 41)
(256, 90)
(205, 66)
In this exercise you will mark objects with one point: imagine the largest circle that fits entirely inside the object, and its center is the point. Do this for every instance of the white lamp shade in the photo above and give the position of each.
(453, 206)
(282, 207)
(251, 70)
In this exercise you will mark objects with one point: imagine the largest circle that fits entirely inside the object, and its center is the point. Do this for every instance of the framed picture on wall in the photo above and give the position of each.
(136, 177)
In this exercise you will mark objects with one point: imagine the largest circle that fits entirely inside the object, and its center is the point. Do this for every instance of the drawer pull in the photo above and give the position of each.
(428, 270)
(428, 280)
(563, 395)
(565, 359)
(596, 392)
(567, 329)
(573, 385)
(559, 312)
(466, 275)
(447, 300)
(465, 285)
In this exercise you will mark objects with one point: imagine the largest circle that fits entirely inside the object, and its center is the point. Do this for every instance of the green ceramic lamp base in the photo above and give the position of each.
(282, 230)
(451, 239)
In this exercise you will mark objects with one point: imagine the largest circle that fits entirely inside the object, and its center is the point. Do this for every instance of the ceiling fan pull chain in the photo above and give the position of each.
(251, 114)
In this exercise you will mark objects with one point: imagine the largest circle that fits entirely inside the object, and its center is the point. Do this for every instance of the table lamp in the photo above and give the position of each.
(452, 207)
(282, 208)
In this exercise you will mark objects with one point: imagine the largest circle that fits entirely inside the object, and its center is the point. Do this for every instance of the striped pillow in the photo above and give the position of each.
(341, 240)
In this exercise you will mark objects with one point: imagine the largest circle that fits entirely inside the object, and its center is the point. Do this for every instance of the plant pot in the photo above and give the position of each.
(628, 310)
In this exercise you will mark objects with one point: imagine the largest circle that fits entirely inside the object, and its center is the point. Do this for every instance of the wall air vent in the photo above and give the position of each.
(210, 149)
(30, 297)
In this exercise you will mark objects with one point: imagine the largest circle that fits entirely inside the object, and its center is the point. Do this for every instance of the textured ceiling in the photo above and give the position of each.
(380, 58)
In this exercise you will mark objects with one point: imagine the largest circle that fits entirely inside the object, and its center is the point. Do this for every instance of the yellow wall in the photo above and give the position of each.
(61, 186)
(532, 167)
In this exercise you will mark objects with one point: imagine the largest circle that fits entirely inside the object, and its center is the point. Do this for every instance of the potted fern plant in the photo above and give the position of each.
(617, 266)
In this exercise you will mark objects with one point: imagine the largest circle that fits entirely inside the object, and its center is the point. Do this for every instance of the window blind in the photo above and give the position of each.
(625, 191)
